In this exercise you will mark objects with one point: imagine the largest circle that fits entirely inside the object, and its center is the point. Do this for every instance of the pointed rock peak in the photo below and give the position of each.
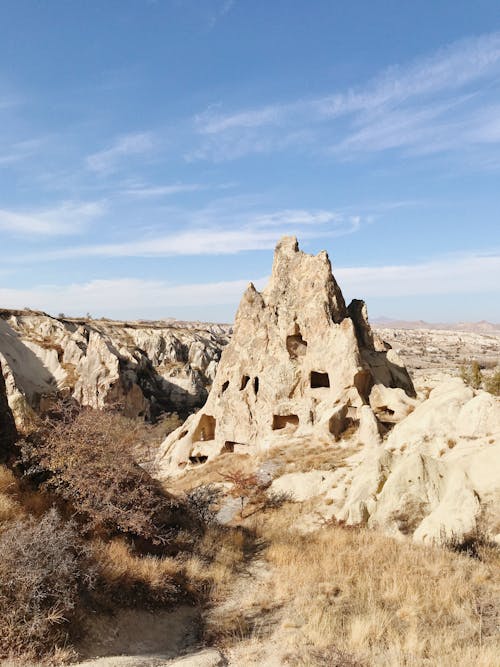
(297, 364)
(287, 245)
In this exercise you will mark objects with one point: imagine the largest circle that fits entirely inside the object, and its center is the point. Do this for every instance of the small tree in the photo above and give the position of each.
(247, 488)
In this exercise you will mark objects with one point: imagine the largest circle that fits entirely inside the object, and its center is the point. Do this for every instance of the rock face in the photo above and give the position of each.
(8, 432)
(148, 368)
(300, 363)
(435, 477)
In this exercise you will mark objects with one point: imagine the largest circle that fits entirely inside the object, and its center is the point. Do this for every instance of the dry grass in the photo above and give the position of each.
(367, 597)
(10, 508)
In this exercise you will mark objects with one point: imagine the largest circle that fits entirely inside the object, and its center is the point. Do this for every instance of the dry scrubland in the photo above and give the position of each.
(266, 594)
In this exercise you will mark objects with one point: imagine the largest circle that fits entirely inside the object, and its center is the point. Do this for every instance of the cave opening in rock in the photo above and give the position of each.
(256, 385)
(205, 429)
(196, 460)
(225, 386)
(244, 381)
(319, 380)
(282, 421)
(296, 346)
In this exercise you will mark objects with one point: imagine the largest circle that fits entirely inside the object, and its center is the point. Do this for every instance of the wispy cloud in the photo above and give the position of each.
(65, 219)
(216, 231)
(153, 191)
(222, 7)
(18, 151)
(108, 159)
(432, 104)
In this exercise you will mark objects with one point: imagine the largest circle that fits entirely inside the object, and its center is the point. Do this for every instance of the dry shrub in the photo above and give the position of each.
(492, 383)
(44, 570)
(80, 458)
(9, 492)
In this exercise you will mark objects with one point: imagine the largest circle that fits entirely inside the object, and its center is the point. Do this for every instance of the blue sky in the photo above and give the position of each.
(152, 153)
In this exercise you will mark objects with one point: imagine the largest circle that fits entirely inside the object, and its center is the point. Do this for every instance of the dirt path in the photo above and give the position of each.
(134, 638)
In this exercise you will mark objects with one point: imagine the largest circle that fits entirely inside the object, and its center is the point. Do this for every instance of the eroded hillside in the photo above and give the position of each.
(147, 368)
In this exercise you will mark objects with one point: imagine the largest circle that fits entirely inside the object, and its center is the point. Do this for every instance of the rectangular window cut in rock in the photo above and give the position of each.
(319, 380)
(282, 421)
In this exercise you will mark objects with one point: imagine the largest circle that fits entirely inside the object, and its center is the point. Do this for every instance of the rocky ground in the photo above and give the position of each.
(432, 354)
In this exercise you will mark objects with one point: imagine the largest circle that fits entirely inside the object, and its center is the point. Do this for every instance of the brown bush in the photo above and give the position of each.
(492, 383)
(79, 457)
(44, 569)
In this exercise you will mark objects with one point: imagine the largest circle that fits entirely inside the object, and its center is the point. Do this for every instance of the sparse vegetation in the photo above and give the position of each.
(45, 569)
(362, 598)
(492, 383)
(473, 375)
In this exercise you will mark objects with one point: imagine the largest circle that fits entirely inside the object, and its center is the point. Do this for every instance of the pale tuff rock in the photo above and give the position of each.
(8, 432)
(299, 362)
(301, 367)
(147, 368)
(436, 478)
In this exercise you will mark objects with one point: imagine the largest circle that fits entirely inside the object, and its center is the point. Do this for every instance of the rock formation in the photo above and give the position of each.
(299, 364)
(148, 368)
(7, 426)
(303, 370)
(436, 477)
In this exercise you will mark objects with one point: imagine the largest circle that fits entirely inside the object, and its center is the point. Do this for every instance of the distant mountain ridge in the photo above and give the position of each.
(475, 327)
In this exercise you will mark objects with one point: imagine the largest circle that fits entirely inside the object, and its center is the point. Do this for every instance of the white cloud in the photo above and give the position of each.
(132, 297)
(123, 297)
(460, 274)
(65, 219)
(131, 144)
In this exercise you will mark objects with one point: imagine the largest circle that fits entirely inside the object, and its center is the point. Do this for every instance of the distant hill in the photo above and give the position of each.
(475, 327)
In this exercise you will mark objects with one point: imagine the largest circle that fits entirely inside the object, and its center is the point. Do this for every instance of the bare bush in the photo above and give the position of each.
(44, 569)
(79, 457)
(203, 503)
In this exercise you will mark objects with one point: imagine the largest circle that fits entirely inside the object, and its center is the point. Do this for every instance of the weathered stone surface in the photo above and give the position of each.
(299, 362)
(8, 432)
(147, 368)
(435, 478)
